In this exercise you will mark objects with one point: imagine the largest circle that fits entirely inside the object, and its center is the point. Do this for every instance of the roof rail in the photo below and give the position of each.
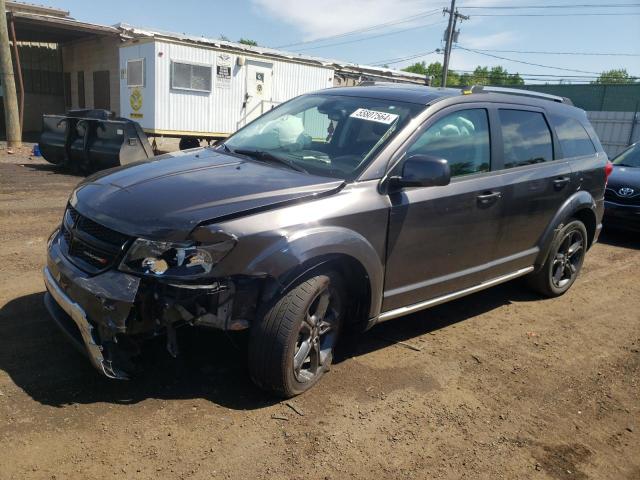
(517, 91)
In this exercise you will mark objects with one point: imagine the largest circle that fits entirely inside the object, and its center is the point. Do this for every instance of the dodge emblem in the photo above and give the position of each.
(625, 192)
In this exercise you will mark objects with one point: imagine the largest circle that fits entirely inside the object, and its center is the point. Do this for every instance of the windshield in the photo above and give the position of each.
(330, 135)
(630, 157)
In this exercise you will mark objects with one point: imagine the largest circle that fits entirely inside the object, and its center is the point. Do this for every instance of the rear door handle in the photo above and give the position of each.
(488, 197)
(561, 182)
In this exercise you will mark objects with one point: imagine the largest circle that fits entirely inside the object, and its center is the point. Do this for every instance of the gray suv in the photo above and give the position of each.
(338, 209)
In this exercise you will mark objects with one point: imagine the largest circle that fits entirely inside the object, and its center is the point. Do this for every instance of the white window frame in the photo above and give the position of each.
(192, 64)
(143, 72)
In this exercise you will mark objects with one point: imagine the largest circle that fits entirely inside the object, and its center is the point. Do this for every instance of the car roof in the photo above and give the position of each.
(400, 92)
(423, 95)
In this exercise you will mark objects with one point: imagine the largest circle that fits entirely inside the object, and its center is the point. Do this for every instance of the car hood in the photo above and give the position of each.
(624, 177)
(168, 196)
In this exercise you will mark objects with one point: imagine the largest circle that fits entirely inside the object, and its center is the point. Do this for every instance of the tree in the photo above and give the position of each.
(246, 41)
(619, 75)
(434, 70)
(480, 76)
(224, 37)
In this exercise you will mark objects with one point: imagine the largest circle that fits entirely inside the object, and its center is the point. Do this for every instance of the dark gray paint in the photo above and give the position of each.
(411, 245)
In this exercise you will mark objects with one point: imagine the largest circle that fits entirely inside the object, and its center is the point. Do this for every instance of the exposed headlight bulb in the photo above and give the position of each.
(155, 265)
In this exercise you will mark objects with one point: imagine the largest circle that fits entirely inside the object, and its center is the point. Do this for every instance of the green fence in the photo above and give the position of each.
(604, 98)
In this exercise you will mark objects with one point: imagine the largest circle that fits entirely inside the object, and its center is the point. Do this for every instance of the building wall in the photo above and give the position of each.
(88, 56)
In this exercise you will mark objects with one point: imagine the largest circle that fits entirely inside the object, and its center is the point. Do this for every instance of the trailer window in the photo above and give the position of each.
(135, 73)
(186, 76)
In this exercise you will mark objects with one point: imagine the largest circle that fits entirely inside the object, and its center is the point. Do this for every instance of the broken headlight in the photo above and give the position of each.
(167, 259)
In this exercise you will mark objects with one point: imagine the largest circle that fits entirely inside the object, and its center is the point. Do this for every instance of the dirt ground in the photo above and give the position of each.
(501, 384)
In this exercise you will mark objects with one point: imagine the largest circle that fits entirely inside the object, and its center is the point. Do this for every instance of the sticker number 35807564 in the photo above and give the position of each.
(374, 116)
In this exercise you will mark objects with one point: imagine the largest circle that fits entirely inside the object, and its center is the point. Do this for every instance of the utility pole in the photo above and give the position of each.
(10, 98)
(449, 38)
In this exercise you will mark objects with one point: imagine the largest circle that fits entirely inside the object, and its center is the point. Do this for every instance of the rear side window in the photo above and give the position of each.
(526, 137)
(461, 138)
(574, 139)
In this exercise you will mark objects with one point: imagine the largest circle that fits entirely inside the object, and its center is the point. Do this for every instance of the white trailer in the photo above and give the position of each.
(206, 89)
(196, 88)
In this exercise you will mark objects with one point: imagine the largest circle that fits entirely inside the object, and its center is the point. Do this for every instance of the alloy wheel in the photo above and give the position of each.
(317, 336)
(568, 259)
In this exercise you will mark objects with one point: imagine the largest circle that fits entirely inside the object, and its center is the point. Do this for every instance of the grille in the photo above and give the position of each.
(612, 196)
(91, 246)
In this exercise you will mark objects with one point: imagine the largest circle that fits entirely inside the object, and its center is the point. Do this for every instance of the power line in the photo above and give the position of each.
(612, 54)
(410, 18)
(523, 62)
(370, 37)
(535, 76)
(391, 61)
(581, 5)
(557, 14)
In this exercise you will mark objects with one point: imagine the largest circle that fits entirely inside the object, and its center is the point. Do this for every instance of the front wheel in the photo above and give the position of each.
(562, 266)
(293, 344)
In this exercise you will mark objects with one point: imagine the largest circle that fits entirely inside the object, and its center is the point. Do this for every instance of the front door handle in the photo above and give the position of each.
(487, 198)
(560, 182)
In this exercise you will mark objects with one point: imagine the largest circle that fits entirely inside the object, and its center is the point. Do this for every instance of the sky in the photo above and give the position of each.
(411, 27)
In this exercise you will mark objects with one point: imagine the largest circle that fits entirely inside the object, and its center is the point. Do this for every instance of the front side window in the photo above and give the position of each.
(574, 139)
(135, 73)
(186, 76)
(330, 135)
(526, 137)
(461, 138)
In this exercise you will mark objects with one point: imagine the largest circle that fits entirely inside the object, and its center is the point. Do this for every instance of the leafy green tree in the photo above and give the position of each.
(619, 75)
(434, 70)
(247, 41)
(480, 76)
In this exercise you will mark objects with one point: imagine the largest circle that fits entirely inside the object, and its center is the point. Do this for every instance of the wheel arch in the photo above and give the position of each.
(334, 248)
(580, 206)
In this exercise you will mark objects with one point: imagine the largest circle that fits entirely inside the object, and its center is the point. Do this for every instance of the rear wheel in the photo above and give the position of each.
(292, 346)
(564, 262)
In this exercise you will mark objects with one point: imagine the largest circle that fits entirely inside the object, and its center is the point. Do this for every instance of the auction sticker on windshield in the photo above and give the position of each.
(374, 116)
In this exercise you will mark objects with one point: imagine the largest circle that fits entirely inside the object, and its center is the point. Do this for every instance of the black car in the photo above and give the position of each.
(338, 209)
(622, 196)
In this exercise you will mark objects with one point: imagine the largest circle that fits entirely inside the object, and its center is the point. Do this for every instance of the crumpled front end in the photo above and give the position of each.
(108, 313)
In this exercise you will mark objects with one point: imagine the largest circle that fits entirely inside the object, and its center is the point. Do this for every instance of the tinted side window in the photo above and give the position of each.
(526, 137)
(461, 138)
(574, 139)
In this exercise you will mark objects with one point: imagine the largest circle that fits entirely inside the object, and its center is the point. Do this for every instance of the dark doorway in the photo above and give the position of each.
(67, 90)
(101, 94)
(81, 101)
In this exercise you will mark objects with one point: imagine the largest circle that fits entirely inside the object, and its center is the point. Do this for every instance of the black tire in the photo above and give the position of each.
(188, 142)
(292, 345)
(564, 262)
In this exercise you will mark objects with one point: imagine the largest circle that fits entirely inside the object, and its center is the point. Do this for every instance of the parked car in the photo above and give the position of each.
(622, 197)
(338, 209)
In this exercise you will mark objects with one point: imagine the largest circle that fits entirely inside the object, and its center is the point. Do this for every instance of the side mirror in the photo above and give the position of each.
(422, 171)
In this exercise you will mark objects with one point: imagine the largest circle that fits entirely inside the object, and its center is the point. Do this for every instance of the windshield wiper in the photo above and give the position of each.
(623, 165)
(268, 157)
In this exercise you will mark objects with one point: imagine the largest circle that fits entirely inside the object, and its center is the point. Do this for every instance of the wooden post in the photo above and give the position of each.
(9, 96)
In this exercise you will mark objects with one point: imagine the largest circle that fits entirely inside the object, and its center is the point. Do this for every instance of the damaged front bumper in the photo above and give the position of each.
(58, 304)
(106, 314)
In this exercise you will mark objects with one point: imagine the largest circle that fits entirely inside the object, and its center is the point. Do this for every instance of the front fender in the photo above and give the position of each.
(578, 202)
(296, 252)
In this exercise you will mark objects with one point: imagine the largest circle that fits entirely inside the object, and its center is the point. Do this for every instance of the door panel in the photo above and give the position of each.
(443, 239)
(258, 89)
(536, 187)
